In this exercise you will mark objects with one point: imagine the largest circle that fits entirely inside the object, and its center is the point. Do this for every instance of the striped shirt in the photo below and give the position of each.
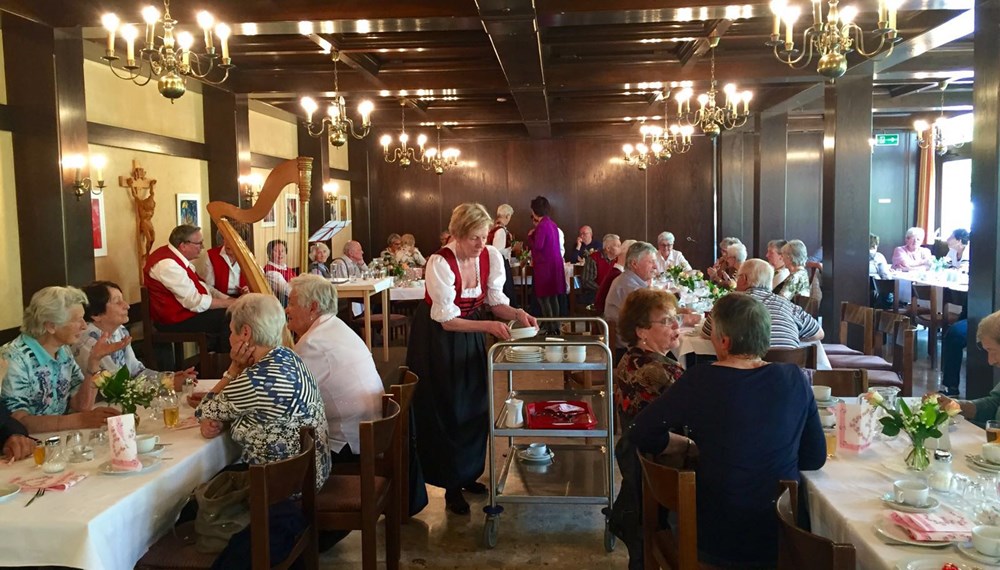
(789, 323)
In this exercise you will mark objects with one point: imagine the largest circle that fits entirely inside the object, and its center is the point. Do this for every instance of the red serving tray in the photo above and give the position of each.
(538, 420)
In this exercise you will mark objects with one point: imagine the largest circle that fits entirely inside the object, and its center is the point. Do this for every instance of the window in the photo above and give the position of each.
(956, 191)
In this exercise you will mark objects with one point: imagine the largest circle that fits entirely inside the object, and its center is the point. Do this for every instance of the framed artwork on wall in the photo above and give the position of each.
(343, 215)
(189, 209)
(270, 220)
(291, 213)
(99, 225)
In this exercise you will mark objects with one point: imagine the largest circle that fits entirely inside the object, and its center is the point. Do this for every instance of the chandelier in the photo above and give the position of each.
(710, 117)
(336, 120)
(437, 159)
(833, 38)
(658, 144)
(403, 154)
(932, 135)
(172, 61)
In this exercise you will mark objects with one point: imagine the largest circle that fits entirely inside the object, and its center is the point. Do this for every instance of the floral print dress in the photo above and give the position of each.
(37, 383)
(640, 378)
(796, 284)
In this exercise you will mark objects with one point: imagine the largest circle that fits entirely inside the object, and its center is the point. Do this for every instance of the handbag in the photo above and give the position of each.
(223, 510)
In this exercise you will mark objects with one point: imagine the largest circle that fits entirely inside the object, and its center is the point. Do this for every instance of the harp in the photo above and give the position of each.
(296, 171)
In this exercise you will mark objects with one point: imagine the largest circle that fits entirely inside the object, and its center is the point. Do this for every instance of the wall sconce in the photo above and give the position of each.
(83, 185)
(250, 187)
(330, 196)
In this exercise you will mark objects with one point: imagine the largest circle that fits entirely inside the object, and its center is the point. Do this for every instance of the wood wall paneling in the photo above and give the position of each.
(358, 160)
(894, 178)
(738, 185)
(227, 137)
(119, 137)
(317, 149)
(803, 203)
(771, 195)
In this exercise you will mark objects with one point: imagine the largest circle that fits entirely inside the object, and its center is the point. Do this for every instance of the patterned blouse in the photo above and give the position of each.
(37, 383)
(796, 284)
(112, 362)
(640, 378)
(267, 404)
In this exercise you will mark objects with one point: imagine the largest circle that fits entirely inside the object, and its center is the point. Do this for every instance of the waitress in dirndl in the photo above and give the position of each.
(447, 350)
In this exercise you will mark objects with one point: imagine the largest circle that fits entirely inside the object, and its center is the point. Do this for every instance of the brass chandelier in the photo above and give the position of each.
(403, 154)
(831, 38)
(437, 159)
(932, 134)
(336, 122)
(658, 144)
(172, 60)
(711, 117)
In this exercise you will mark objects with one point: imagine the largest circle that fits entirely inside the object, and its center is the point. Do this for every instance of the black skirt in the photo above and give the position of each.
(450, 408)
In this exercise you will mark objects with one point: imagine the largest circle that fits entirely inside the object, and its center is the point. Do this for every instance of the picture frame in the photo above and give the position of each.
(270, 220)
(291, 213)
(343, 214)
(99, 225)
(189, 209)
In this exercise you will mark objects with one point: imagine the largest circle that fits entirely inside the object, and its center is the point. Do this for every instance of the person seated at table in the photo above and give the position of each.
(988, 339)
(408, 252)
(395, 243)
(106, 314)
(14, 441)
(502, 239)
(600, 299)
(737, 471)
(319, 253)
(277, 272)
(777, 261)
(791, 326)
(720, 262)
(640, 266)
(878, 266)
(795, 255)
(352, 263)
(911, 256)
(338, 359)
(268, 394)
(584, 245)
(219, 269)
(666, 255)
(45, 389)
(958, 249)
(179, 301)
(725, 275)
(598, 265)
(444, 237)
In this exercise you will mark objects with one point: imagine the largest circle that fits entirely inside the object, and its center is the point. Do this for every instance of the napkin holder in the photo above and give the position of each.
(856, 426)
(124, 455)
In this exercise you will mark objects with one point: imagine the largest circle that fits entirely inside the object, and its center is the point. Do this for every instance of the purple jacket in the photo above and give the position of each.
(549, 278)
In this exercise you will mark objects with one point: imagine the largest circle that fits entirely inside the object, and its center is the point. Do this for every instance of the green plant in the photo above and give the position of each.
(918, 424)
(122, 389)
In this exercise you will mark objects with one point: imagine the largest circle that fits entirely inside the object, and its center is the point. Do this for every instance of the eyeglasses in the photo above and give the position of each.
(197, 243)
(669, 321)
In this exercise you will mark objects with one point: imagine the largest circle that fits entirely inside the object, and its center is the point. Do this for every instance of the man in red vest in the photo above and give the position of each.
(179, 301)
(220, 270)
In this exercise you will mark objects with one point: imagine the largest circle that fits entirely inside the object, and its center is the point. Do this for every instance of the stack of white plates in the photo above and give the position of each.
(523, 353)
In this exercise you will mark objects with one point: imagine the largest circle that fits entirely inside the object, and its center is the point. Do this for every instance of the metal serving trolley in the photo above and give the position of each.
(578, 473)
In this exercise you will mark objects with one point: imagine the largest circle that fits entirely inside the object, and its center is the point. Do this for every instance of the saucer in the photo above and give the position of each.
(7, 491)
(889, 501)
(931, 565)
(522, 455)
(155, 452)
(894, 533)
(970, 552)
(828, 403)
(148, 463)
(983, 463)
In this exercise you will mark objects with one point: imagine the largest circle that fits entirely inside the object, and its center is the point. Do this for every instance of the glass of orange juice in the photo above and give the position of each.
(831, 441)
(39, 453)
(170, 406)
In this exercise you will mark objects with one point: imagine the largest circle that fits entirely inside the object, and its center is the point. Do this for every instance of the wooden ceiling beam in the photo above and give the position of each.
(698, 48)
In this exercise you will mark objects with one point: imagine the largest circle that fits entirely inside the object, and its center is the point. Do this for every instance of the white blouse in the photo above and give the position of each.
(441, 284)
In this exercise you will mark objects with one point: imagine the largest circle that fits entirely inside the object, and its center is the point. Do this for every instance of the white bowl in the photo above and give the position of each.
(986, 540)
(523, 333)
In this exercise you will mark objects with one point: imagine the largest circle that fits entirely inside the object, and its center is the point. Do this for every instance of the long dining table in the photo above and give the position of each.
(107, 522)
(693, 342)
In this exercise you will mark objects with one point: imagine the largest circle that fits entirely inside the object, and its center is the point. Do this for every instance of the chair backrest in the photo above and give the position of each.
(402, 393)
(271, 483)
(959, 299)
(857, 315)
(798, 548)
(885, 331)
(815, 268)
(380, 447)
(404, 390)
(675, 490)
(903, 347)
(147, 327)
(809, 304)
(927, 293)
(804, 356)
(843, 382)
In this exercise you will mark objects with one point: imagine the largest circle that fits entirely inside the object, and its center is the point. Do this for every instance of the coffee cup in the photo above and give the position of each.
(991, 452)
(536, 450)
(986, 540)
(576, 353)
(913, 493)
(553, 354)
(827, 419)
(822, 393)
(145, 443)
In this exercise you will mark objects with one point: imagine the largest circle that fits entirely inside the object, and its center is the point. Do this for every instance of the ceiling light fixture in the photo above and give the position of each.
(932, 135)
(710, 117)
(403, 154)
(439, 160)
(336, 122)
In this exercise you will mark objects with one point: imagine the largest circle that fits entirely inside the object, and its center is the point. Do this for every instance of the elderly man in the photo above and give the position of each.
(790, 325)
(667, 256)
(179, 301)
(640, 266)
(598, 265)
(584, 245)
(352, 264)
(219, 269)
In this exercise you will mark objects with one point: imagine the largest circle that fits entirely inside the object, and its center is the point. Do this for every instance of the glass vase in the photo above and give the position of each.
(917, 459)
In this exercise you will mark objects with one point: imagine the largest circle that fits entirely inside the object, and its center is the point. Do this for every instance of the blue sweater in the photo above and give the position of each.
(753, 428)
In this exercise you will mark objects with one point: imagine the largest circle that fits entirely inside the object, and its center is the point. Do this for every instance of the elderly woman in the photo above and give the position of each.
(988, 337)
(878, 266)
(106, 314)
(408, 252)
(911, 255)
(720, 262)
(502, 239)
(725, 275)
(319, 253)
(737, 478)
(666, 255)
(958, 249)
(395, 243)
(46, 390)
(277, 272)
(549, 277)
(794, 254)
(268, 394)
(447, 351)
(777, 261)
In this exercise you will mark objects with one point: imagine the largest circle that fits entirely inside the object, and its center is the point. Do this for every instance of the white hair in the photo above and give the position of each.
(758, 272)
(665, 236)
(50, 305)
(637, 251)
(263, 314)
(737, 250)
(310, 288)
(317, 246)
(915, 231)
(989, 328)
(797, 252)
(505, 211)
(608, 238)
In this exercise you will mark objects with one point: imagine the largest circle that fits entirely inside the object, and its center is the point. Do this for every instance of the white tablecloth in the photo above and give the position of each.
(949, 279)
(844, 497)
(693, 342)
(415, 291)
(107, 521)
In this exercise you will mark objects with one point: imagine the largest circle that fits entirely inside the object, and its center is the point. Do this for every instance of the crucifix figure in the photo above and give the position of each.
(138, 184)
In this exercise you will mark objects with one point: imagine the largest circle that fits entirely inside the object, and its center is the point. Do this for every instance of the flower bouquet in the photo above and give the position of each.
(392, 266)
(121, 389)
(919, 423)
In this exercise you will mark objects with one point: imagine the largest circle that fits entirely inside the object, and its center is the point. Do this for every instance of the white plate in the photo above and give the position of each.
(893, 532)
(523, 333)
(7, 491)
(147, 464)
(889, 501)
(522, 455)
(156, 451)
(931, 565)
(828, 403)
(524, 349)
(983, 463)
(970, 552)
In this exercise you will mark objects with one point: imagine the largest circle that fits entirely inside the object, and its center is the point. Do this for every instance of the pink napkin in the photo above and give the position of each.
(57, 482)
(943, 525)
(123, 452)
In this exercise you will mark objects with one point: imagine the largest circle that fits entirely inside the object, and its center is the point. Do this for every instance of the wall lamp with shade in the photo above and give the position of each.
(330, 193)
(83, 185)
(250, 187)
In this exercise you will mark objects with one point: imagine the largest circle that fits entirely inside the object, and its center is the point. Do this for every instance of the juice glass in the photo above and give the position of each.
(831, 442)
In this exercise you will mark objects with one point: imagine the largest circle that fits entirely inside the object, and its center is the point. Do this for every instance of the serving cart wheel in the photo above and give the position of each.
(610, 540)
(491, 527)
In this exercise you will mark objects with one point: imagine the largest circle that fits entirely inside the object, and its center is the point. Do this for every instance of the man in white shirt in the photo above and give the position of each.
(352, 264)
(666, 255)
(219, 269)
(336, 356)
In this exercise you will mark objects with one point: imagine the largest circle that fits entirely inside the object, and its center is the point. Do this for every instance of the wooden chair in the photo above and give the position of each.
(814, 268)
(355, 502)
(903, 348)
(151, 337)
(852, 315)
(398, 324)
(804, 356)
(843, 382)
(809, 304)
(798, 548)
(403, 394)
(931, 316)
(672, 489)
(883, 330)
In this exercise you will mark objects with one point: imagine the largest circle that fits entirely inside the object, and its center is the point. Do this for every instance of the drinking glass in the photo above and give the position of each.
(992, 430)
(98, 438)
(170, 407)
(831, 441)
(39, 453)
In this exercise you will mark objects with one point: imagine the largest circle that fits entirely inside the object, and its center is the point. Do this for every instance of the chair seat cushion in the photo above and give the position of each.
(176, 550)
(395, 319)
(866, 361)
(841, 349)
(884, 378)
(342, 493)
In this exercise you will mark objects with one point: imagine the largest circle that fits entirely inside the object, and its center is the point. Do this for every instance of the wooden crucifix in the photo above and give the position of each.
(142, 190)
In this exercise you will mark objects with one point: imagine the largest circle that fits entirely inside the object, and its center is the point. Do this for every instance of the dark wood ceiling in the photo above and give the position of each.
(518, 68)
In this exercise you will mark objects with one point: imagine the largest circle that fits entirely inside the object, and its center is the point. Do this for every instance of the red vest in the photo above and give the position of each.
(508, 240)
(287, 272)
(603, 265)
(466, 306)
(221, 270)
(163, 305)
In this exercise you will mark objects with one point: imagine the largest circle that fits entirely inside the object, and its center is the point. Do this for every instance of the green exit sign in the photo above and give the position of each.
(885, 139)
